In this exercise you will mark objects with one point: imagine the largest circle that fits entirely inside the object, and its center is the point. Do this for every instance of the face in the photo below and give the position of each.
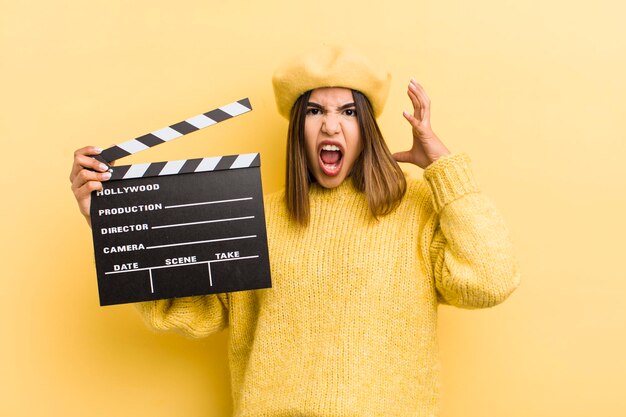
(331, 134)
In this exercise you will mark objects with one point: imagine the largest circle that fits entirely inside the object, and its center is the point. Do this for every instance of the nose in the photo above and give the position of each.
(330, 124)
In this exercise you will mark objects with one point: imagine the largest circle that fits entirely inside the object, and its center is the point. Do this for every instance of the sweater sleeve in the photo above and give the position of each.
(197, 316)
(471, 252)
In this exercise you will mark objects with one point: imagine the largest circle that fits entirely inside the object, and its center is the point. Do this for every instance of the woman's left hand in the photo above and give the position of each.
(427, 147)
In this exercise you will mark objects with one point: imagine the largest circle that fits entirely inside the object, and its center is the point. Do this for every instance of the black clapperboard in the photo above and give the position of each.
(180, 228)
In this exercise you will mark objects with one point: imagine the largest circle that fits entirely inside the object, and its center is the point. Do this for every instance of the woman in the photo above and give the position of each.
(360, 257)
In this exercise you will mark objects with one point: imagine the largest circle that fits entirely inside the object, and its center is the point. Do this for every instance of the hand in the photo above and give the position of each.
(87, 176)
(427, 147)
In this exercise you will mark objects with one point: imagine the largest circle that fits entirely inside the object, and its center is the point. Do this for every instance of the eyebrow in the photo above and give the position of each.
(318, 106)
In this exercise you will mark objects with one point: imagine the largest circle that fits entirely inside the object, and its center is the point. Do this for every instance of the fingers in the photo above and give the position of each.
(402, 156)
(417, 106)
(84, 191)
(87, 181)
(419, 91)
(420, 100)
(86, 176)
(88, 150)
(83, 196)
(83, 158)
(84, 184)
(415, 123)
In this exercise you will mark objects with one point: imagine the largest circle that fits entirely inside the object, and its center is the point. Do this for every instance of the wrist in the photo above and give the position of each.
(438, 155)
(441, 155)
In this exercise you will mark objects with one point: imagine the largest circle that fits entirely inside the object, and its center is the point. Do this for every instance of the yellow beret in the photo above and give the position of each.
(330, 66)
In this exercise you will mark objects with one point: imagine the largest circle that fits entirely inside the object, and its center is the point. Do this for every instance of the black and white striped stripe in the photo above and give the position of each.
(186, 166)
(175, 131)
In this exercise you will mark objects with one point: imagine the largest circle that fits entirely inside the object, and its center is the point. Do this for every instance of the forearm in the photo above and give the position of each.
(471, 251)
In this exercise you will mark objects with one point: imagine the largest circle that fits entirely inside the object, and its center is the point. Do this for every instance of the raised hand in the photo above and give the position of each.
(427, 147)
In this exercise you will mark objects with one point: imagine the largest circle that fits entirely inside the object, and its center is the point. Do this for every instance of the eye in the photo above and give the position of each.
(313, 111)
(350, 112)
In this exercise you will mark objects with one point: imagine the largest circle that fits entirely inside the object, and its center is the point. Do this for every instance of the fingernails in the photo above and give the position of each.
(97, 150)
(103, 167)
(106, 176)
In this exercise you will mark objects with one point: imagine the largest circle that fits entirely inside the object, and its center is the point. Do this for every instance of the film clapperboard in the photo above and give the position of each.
(180, 228)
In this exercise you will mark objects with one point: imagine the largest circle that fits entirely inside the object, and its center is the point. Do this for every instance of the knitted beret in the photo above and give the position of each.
(330, 66)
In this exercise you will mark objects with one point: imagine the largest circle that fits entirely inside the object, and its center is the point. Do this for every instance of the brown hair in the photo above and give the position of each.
(375, 172)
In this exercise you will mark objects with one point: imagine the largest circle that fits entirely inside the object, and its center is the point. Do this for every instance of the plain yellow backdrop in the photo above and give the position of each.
(533, 91)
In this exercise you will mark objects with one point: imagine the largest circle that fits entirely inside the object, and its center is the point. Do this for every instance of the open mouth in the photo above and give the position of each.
(331, 158)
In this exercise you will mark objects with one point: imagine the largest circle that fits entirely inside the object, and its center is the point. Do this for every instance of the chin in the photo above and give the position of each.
(330, 182)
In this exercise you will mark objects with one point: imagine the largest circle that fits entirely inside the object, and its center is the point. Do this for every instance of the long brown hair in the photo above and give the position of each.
(375, 172)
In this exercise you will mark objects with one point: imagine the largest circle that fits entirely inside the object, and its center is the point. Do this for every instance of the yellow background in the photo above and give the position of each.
(533, 91)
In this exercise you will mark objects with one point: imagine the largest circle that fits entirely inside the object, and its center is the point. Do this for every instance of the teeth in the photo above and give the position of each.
(330, 148)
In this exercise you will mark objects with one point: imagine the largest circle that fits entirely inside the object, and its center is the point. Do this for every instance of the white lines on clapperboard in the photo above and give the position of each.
(149, 269)
(232, 219)
(203, 203)
(203, 222)
(198, 242)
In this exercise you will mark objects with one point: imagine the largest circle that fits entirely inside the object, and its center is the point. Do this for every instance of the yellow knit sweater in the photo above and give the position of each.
(349, 326)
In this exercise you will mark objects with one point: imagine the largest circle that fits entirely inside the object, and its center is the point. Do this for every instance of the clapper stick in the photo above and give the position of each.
(174, 131)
